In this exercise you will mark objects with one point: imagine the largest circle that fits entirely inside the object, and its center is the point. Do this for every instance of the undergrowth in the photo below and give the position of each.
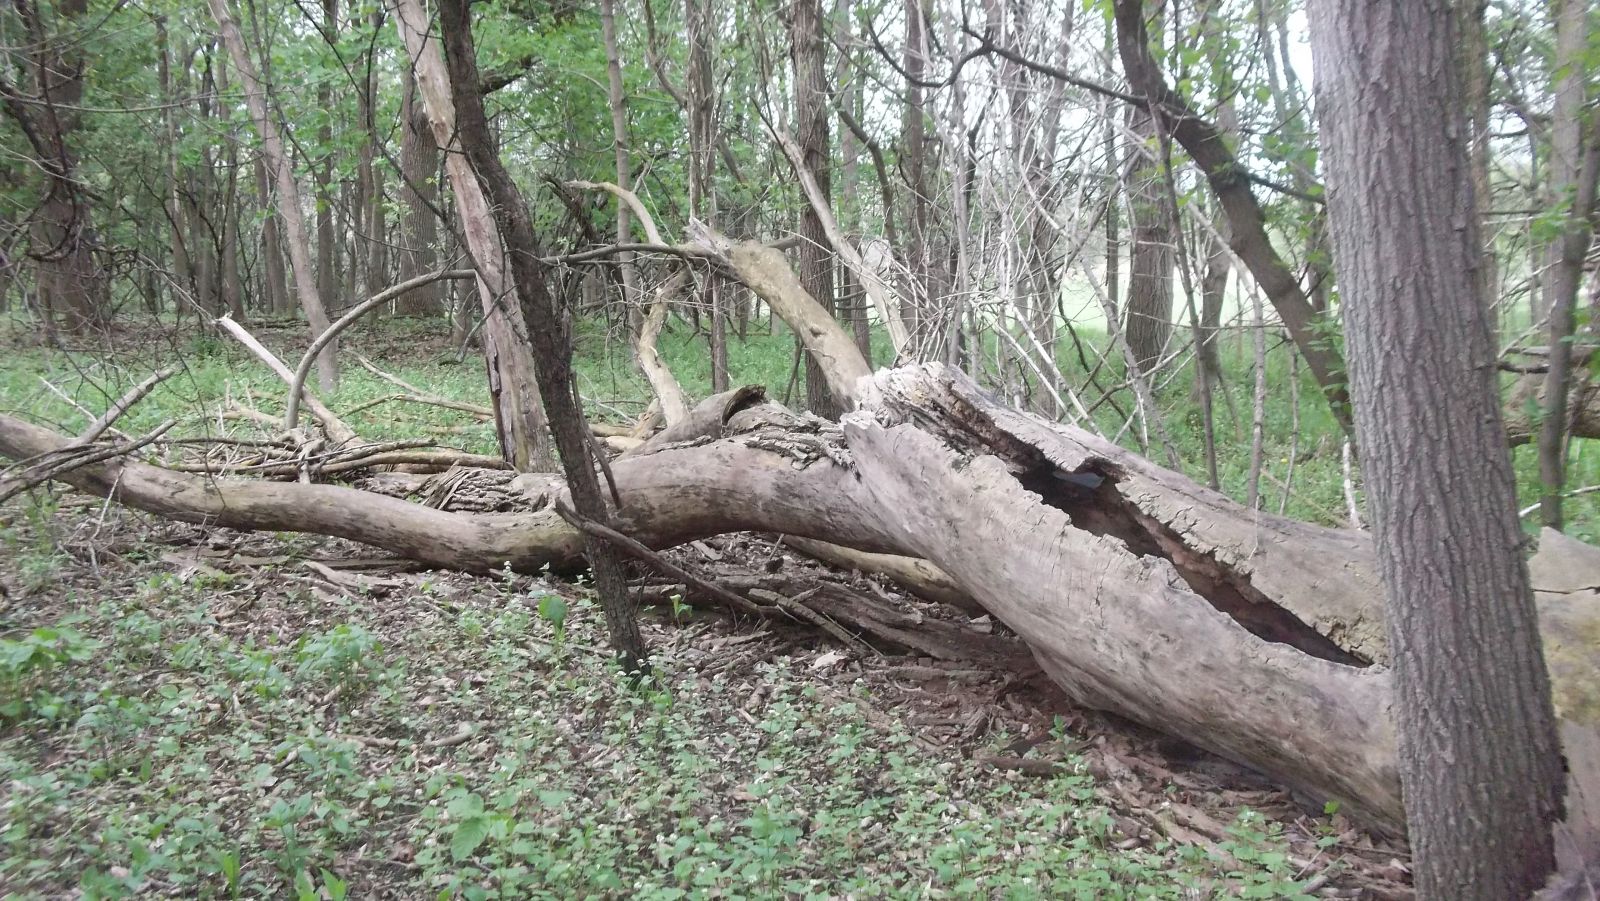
(212, 737)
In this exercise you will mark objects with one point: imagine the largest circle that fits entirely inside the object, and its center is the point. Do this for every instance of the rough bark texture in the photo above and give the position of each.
(1213, 293)
(1139, 591)
(519, 413)
(69, 285)
(419, 169)
(549, 333)
(811, 113)
(1478, 753)
(1150, 258)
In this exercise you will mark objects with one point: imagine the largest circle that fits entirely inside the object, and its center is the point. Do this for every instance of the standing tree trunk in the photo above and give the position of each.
(288, 205)
(197, 198)
(702, 102)
(550, 333)
(274, 279)
(847, 97)
(1212, 153)
(69, 285)
(230, 279)
(1574, 167)
(376, 260)
(183, 272)
(1474, 43)
(1150, 260)
(617, 102)
(811, 114)
(518, 411)
(914, 162)
(419, 168)
(327, 251)
(1213, 295)
(1479, 761)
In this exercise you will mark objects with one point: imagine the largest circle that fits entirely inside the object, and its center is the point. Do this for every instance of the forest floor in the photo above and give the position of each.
(193, 712)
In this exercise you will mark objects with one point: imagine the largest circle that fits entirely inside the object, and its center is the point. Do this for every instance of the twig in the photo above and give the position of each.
(633, 548)
(1576, 492)
(796, 607)
(70, 400)
(76, 458)
(127, 400)
(462, 733)
(298, 381)
(459, 406)
(333, 426)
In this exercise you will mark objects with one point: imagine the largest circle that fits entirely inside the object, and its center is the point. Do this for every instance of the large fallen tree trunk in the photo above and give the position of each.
(1137, 590)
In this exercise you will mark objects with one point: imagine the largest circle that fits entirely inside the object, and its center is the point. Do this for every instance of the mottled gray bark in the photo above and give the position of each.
(811, 113)
(1477, 741)
(1150, 257)
(419, 167)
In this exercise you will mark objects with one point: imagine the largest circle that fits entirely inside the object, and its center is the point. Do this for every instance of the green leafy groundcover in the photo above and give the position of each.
(218, 736)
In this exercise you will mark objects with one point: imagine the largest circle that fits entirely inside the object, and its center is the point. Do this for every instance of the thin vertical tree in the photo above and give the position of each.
(1480, 766)
(288, 205)
(811, 114)
(549, 331)
(701, 94)
(322, 174)
(1572, 173)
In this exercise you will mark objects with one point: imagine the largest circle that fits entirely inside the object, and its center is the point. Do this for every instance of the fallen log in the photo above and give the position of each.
(1139, 592)
(920, 577)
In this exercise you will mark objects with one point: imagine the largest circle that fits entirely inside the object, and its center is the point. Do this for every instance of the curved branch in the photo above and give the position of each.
(647, 221)
(334, 427)
(298, 383)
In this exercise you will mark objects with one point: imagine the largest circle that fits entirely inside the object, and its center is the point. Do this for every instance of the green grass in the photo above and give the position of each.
(214, 371)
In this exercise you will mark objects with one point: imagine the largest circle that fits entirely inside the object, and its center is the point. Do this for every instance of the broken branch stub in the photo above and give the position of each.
(1138, 591)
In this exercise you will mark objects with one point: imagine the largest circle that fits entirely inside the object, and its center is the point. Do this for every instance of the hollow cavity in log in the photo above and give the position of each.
(1090, 497)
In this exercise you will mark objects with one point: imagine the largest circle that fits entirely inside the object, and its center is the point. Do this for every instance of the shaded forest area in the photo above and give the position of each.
(1123, 448)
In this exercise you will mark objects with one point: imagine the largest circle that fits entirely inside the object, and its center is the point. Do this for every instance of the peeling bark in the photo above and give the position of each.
(1137, 590)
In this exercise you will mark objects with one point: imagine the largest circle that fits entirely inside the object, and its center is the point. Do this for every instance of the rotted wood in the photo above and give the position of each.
(1136, 590)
